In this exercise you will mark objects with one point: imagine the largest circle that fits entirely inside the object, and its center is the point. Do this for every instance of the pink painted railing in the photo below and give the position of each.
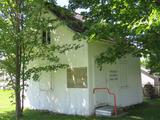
(110, 93)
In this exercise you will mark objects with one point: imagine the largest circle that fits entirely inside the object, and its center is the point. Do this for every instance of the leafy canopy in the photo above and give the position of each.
(22, 51)
(132, 25)
(33, 20)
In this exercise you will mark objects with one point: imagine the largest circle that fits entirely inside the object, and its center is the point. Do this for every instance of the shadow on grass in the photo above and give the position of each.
(40, 115)
(7, 115)
(44, 115)
(149, 110)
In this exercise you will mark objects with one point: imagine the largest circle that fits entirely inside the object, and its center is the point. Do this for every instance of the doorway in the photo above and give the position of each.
(100, 80)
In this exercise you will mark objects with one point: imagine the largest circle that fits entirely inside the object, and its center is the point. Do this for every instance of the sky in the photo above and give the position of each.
(65, 3)
(62, 2)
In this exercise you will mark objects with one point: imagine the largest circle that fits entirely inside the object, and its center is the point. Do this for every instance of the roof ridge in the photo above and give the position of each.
(72, 19)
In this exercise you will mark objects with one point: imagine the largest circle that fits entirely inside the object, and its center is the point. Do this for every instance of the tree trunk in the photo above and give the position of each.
(17, 83)
(18, 61)
(23, 62)
(23, 77)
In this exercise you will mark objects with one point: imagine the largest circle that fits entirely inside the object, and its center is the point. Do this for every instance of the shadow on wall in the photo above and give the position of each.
(68, 101)
(52, 93)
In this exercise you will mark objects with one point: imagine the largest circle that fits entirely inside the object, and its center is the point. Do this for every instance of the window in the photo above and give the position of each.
(46, 38)
(77, 77)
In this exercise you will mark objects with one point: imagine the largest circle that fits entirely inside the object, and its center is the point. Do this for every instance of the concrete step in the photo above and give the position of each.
(106, 111)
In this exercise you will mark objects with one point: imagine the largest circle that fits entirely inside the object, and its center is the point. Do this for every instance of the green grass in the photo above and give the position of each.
(5, 101)
(149, 110)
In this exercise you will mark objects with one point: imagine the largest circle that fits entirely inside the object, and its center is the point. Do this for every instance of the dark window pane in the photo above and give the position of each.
(48, 37)
(44, 37)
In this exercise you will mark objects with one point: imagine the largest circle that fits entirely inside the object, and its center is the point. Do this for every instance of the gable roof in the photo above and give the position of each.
(72, 20)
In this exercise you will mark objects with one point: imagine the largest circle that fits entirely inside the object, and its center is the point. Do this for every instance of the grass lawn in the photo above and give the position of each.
(149, 110)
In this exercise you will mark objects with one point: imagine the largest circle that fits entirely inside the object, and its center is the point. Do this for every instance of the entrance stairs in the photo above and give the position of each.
(108, 111)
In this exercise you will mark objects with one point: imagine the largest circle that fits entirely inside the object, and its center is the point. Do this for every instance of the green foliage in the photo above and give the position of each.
(22, 23)
(34, 21)
(132, 25)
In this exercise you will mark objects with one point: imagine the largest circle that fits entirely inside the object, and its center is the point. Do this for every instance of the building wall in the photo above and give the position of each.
(146, 79)
(51, 92)
(122, 78)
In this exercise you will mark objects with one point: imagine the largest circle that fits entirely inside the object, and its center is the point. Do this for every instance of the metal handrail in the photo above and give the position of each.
(114, 95)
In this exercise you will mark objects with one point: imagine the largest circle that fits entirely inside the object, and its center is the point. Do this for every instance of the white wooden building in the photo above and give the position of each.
(70, 91)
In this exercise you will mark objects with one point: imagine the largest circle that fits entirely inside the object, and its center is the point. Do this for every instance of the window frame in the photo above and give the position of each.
(78, 83)
(46, 37)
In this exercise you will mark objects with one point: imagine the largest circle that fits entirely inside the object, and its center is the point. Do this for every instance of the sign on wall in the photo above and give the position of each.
(113, 75)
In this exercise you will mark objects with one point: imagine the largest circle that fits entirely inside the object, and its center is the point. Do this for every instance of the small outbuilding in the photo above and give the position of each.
(152, 79)
(82, 87)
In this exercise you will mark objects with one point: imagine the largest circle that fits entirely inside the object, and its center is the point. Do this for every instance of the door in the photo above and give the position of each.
(100, 81)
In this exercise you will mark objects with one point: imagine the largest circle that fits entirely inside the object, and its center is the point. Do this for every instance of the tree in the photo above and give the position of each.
(133, 26)
(22, 23)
